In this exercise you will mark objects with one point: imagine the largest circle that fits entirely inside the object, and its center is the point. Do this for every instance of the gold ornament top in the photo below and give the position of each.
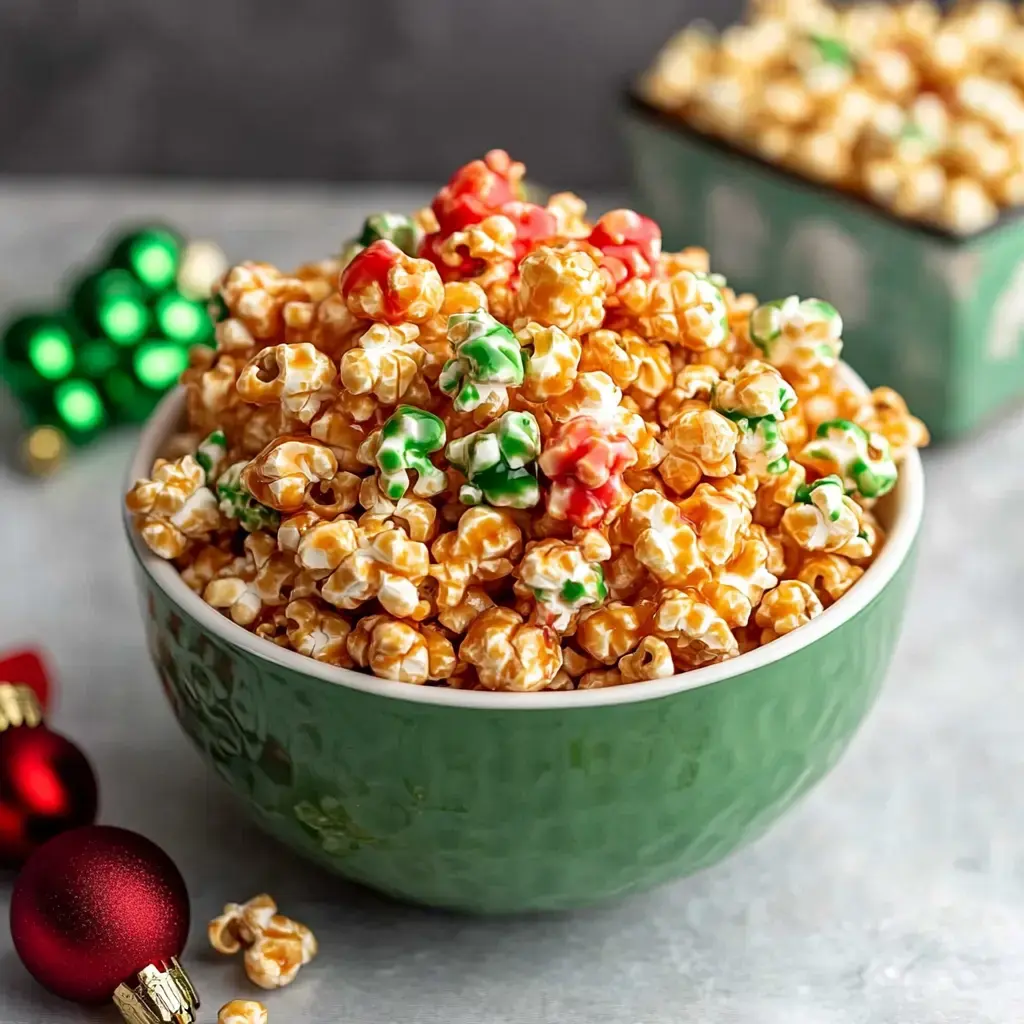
(164, 995)
(19, 705)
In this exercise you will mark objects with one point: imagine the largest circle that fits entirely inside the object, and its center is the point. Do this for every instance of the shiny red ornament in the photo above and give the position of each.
(95, 906)
(47, 786)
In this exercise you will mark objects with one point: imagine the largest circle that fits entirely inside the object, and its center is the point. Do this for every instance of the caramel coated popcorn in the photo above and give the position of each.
(917, 109)
(502, 447)
(275, 946)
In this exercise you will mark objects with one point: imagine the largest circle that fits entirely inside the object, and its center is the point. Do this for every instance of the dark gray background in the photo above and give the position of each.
(330, 89)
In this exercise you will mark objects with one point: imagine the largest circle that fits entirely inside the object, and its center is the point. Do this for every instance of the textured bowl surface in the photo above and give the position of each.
(509, 802)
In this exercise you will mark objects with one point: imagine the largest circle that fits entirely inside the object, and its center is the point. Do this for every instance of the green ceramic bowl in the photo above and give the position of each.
(499, 802)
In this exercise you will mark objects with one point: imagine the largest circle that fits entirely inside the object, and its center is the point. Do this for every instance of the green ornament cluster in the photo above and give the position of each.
(114, 346)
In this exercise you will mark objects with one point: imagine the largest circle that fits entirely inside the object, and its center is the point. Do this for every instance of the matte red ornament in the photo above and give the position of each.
(47, 786)
(94, 907)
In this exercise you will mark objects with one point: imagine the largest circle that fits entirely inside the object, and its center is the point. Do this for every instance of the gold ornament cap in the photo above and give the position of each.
(19, 706)
(43, 450)
(163, 995)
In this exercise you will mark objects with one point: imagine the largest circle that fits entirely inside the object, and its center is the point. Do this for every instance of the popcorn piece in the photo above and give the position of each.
(317, 632)
(509, 654)
(611, 631)
(804, 336)
(459, 297)
(250, 584)
(405, 443)
(497, 462)
(280, 949)
(756, 398)
(372, 560)
(240, 924)
(651, 660)
(737, 587)
(383, 283)
(416, 515)
(237, 503)
(824, 518)
(700, 442)
(565, 576)
(243, 1011)
(829, 576)
(385, 362)
(629, 360)
(887, 414)
(396, 228)
(211, 455)
(487, 361)
(283, 473)
(457, 617)
(790, 605)
(552, 359)
(404, 651)
(662, 540)
(630, 245)
(862, 460)
(174, 507)
(585, 465)
(698, 634)
(254, 296)
(299, 377)
(560, 288)
(719, 518)
(688, 309)
(480, 550)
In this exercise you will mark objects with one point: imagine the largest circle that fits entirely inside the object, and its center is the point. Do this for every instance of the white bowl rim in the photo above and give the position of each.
(908, 497)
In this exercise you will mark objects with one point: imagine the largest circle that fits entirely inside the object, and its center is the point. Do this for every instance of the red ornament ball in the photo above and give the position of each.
(93, 907)
(47, 786)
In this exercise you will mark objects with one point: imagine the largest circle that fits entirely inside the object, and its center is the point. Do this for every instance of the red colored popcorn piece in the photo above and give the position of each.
(630, 242)
(534, 225)
(383, 283)
(476, 190)
(585, 464)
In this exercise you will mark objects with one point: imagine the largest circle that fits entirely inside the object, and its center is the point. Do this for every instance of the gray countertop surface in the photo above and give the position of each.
(894, 894)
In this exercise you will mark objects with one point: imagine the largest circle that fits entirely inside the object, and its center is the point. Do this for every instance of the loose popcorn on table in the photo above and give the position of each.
(917, 109)
(274, 947)
(499, 446)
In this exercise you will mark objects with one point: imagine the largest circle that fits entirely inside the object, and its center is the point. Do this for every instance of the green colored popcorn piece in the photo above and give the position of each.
(832, 51)
(584, 588)
(488, 360)
(237, 503)
(795, 316)
(407, 439)
(762, 446)
(498, 462)
(863, 461)
(211, 454)
(826, 494)
(397, 228)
